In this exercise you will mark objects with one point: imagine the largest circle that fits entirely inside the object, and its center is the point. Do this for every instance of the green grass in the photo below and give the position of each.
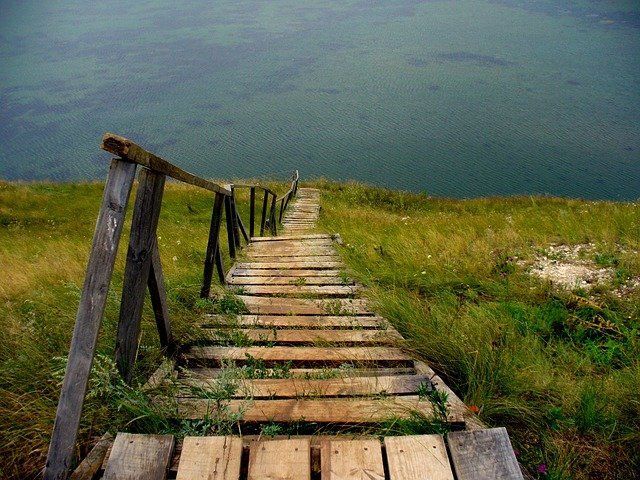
(561, 370)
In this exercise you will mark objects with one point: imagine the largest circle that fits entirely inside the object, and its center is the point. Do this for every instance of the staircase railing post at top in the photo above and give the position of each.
(252, 211)
(212, 245)
(228, 215)
(100, 266)
(263, 218)
(137, 267)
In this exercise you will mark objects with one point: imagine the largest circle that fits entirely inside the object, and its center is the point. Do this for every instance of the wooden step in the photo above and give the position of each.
(304, 306)
(307, 373)
(292, 272)
(301, 387)
(351, 459)
(139, 457)
(417, 457)
(288, 280)
(327, 410)
(281, 238)
(307, 336)
(291, 264)
(288, 459)
(293, 259)
(333, 291)
(323, 355)
(297, 321)
(212, 458)
(290, 252)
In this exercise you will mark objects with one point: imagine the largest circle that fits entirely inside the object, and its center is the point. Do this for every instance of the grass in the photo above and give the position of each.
(559, 369)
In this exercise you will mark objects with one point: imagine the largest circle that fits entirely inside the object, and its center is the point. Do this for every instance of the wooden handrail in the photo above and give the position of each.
(143, 271)
(129, 150)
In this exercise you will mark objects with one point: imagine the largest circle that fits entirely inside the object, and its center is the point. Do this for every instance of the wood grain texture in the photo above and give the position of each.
(280, 460)
(483, 455)
(330, 291)
(351, 460)
(139, 457)
(303, 387)
(317, 354)
(325, 410)
(288, 280)
(158, 295)
(127, 149)
(305, 306)
(298, 321)
(307, 336)
(97, 279)
(136, 272)
(418, 457)
(210, 458)
(93, 461)
(291, 237)
(291, 272)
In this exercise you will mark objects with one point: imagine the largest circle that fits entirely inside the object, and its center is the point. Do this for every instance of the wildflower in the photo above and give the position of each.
(177, 242)
(175, 259)
(428, 256)
(475, 409)
(423, 272)
(542, 469)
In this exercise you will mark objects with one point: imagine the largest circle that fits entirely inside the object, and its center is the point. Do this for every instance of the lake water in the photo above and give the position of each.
(458, 98)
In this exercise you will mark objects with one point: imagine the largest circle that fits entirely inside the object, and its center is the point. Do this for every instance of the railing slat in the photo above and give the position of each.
(212, 244)
(89, 317)
(158, 296)
(252, 211)
(228, 215)
(263, 218)
(136, 272)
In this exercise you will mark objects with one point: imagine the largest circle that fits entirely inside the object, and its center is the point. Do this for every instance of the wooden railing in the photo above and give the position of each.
(143, 270)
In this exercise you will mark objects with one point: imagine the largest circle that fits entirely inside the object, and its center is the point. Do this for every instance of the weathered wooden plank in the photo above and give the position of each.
(298, 321)
(308, 336)
(291, 237)
(228, 215)
(483, 455)
(263, 215)
(288, 280)
(137, 267)
(304, 306)
(290, 272)
(128, 150)
(272, 217)
(416, 457)
(210, 458)
(139, 457)
(332, 291)
(93, 461)
(342, 386)
(209, 373)
(212, 245)
(158, 296)
(291, 252)
(326, 410)
(300, 354)
(252, 212)
(284, 244)
(89, 317)
(294, 260)
(351, 459)
(280, 460)
(234, 219)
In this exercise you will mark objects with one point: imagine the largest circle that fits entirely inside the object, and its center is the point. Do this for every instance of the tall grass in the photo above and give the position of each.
(531, 357)
(45, 237)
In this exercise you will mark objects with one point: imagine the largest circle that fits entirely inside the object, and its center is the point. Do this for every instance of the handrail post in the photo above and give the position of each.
(158, 296)
(102, 258)
(281, 209)
(252, 211)
(272, 217)
(234, 218)
(263, 218)
(212, 245)
(228, 215)
(137, 267)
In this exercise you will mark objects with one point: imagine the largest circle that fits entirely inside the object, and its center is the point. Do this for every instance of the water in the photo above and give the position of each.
(459, 98)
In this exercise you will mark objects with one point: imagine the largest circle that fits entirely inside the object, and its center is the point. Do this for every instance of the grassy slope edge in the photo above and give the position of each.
(527, 355)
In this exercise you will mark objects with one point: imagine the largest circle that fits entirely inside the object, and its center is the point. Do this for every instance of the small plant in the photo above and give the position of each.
(299, 281)
(256, 368)
(271, 429)
(230, 304)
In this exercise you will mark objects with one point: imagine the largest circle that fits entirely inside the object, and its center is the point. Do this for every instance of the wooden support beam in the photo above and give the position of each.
(228, 215)
(220, 267)
(158, 295)
(243, 230)
(89, 317)
(212, 245)
(263, 218)
(234, 219)
(136, 272)
(272, 217)
(252, 211)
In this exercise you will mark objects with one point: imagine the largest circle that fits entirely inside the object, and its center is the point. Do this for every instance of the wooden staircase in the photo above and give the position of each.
(327, 361)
